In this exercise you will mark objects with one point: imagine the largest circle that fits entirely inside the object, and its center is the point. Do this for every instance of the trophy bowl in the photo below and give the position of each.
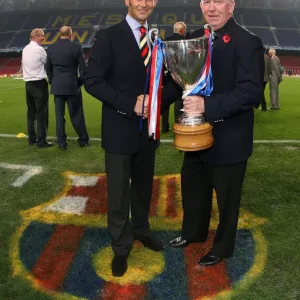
(185, 60)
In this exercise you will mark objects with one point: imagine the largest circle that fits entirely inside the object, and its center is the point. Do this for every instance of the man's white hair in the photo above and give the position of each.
(178, 26)
(272, 51)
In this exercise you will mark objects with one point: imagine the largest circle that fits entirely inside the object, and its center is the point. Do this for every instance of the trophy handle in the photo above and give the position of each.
(153, 35)
(209, 28)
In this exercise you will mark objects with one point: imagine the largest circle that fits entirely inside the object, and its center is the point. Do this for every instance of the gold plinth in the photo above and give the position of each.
(193, 138)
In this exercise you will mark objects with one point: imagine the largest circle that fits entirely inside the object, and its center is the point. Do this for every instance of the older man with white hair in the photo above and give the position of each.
(238, 71)
(275, 79)
(37, 95)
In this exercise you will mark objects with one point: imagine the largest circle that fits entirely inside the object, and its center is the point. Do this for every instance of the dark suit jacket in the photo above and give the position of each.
(64, 60)
(238, 74)
(174, 37)
(116, 75)
(267, 68)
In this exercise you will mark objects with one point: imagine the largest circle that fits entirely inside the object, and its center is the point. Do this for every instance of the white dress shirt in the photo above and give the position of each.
(135, 27)
(33, 62)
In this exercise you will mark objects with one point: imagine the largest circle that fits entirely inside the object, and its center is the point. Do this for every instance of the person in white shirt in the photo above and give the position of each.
(37, 95)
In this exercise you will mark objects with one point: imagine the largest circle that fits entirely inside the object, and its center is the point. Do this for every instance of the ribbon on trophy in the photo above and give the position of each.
(154, 82)
(204, 85)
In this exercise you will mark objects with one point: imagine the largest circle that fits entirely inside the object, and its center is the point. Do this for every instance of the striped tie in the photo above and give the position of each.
(144, 46)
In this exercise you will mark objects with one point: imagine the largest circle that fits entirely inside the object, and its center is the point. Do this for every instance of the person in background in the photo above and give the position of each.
(37, 95)
(266, 80)
(64, 58)
(275, 79)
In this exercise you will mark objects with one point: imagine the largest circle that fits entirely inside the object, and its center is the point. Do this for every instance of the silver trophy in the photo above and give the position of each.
(185, 59)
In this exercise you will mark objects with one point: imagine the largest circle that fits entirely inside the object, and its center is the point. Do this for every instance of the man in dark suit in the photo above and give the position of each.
(179, 34)
(64, 58)
(266, 80)
(116, 75)
(238, 72)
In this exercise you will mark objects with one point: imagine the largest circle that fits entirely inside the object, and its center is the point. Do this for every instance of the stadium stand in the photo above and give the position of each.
(276, 22)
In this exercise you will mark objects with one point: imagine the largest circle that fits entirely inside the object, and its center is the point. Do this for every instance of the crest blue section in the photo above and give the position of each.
(82, 280)
(33, 242)
(174, 271)
(243, 257)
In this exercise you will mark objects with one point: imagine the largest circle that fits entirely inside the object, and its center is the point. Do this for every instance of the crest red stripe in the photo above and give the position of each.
(97, 202)
(113, 291)
(205, 282)
(97, 196)
(53, 264)
(171, 198)
(155, 196)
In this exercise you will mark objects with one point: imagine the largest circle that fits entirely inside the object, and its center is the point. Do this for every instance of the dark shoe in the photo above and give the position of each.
(83, 145)
(179, 242)
(209, 260)
(32, 141)
(63, 147)
(165, 130)
(119, 265)
(44, 144)
(151, 242)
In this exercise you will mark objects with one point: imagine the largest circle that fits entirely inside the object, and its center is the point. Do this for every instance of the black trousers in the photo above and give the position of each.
(75, 108)
(263, 100)
(129, 182)
(198, 181)
(37, 97)
(165, 115)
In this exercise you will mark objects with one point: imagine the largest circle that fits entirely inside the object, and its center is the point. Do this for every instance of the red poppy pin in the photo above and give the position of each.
(226, 38)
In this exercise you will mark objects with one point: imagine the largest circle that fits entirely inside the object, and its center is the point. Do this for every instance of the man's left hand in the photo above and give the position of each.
(193, 105)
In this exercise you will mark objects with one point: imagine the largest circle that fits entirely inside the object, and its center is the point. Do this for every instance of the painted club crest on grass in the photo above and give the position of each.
(63, 249)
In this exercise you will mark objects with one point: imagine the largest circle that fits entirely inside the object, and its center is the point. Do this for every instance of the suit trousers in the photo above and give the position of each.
(75, 107)
(198, 181)
(263, 100)
(274, 93)
(165, 115)
(37, 97)
(129, 183)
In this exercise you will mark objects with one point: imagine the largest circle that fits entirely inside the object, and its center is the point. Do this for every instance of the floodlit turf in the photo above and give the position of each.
(270, 125)
(271, 192)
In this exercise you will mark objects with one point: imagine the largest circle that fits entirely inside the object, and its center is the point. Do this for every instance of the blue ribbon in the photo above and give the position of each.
(145, 91)
(159, 63)
(205, 87)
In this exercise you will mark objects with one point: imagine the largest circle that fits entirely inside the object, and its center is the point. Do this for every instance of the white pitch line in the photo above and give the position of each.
(18, 87)
(30, 171)
(167, 141)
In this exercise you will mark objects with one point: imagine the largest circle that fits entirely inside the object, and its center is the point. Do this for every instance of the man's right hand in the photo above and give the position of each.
(138, 109)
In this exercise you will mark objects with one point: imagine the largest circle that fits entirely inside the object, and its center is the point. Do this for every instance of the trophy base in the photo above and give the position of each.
(193, 138)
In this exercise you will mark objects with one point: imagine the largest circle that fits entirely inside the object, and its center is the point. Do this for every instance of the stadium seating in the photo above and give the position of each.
(266, 35)
(5, 39)
(9, 5)
(279, 29)
(10, 66)
(276, 29)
